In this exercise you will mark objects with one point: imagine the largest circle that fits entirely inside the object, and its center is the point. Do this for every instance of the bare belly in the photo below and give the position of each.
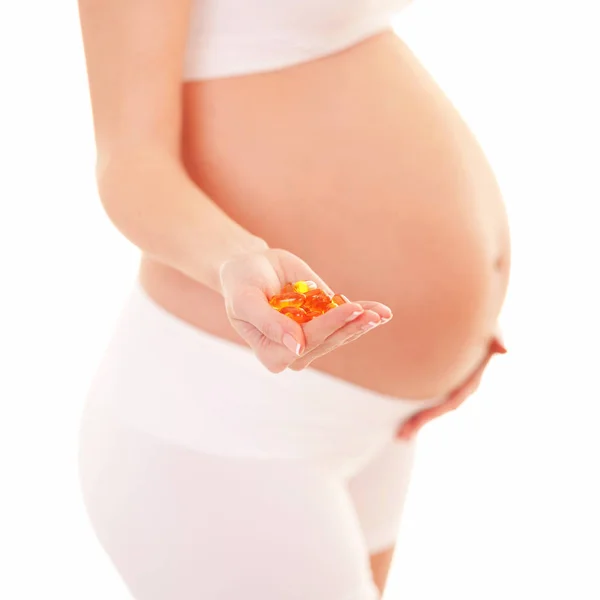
(358, 164)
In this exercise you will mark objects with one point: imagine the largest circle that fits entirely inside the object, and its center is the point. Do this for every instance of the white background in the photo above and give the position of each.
(505, 499)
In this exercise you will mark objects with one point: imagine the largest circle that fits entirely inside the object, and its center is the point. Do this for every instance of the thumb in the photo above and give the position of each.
(253, 307)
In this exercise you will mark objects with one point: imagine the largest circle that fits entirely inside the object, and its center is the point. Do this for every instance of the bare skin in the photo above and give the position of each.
(360, 165)
(383, 214)
(357, 163)
(380, 567)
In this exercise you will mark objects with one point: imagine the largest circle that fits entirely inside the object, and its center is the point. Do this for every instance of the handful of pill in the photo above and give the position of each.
(302, 301)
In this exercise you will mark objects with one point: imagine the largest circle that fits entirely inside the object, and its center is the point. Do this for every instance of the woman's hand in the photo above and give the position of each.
(247, 281)
(410, 427)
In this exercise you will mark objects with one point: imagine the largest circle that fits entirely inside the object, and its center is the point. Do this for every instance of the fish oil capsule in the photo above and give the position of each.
(296, 314)
(291, 299)
(304, 286)
(316, 300)
(317, 295)
(287, 288)
(340, 299)
(315, 306)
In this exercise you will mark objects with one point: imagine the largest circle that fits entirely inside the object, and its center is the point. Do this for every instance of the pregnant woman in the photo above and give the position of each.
(243, 145)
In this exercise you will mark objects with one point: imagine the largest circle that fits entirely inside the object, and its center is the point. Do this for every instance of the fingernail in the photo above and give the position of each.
(291, 344)
(354, 315)
(386, 319)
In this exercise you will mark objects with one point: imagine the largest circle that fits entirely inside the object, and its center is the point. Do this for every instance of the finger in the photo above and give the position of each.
(252, 307)
(360, 327)
(355, 326)
(385, 312)
(281, 358)
(322, 327)
(411, 426)
(275, 357)
(374, 314)
(349, 333)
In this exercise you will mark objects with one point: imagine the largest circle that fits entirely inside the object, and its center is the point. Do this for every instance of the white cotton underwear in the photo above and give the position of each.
(239, 37)
(207, 476)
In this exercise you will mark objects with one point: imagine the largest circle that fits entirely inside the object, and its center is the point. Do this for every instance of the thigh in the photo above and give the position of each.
(379, 491)
(184, 525)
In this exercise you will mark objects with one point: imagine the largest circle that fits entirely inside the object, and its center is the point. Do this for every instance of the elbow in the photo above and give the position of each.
(130, 179)
(112, 183)
(122, 182)
(141, 193)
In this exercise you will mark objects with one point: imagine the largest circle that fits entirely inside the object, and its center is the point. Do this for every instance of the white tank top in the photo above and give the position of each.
(237, 37)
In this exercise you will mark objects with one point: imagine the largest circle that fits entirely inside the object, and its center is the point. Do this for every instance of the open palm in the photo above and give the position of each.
(249, 280)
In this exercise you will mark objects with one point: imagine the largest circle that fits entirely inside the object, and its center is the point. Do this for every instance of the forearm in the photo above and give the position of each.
(151, 200)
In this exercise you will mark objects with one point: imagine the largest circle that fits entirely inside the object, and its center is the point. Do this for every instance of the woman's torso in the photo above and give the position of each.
(357, 163)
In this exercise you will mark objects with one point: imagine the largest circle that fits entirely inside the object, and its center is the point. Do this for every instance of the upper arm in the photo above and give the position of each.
(134, 52)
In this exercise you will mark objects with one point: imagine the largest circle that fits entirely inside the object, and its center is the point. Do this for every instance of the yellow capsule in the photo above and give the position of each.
(304, 286)
(291, 299)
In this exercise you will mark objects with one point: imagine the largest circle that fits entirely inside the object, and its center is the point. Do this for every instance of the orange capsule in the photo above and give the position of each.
(320, 308)
(317, 296)
(291, 299)
(315, 306)
(317, 302)
(287, 289)
(340, 299)
(316, 293)
(296, 314)
(313, 313)
(330, 306)
(304, 286)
